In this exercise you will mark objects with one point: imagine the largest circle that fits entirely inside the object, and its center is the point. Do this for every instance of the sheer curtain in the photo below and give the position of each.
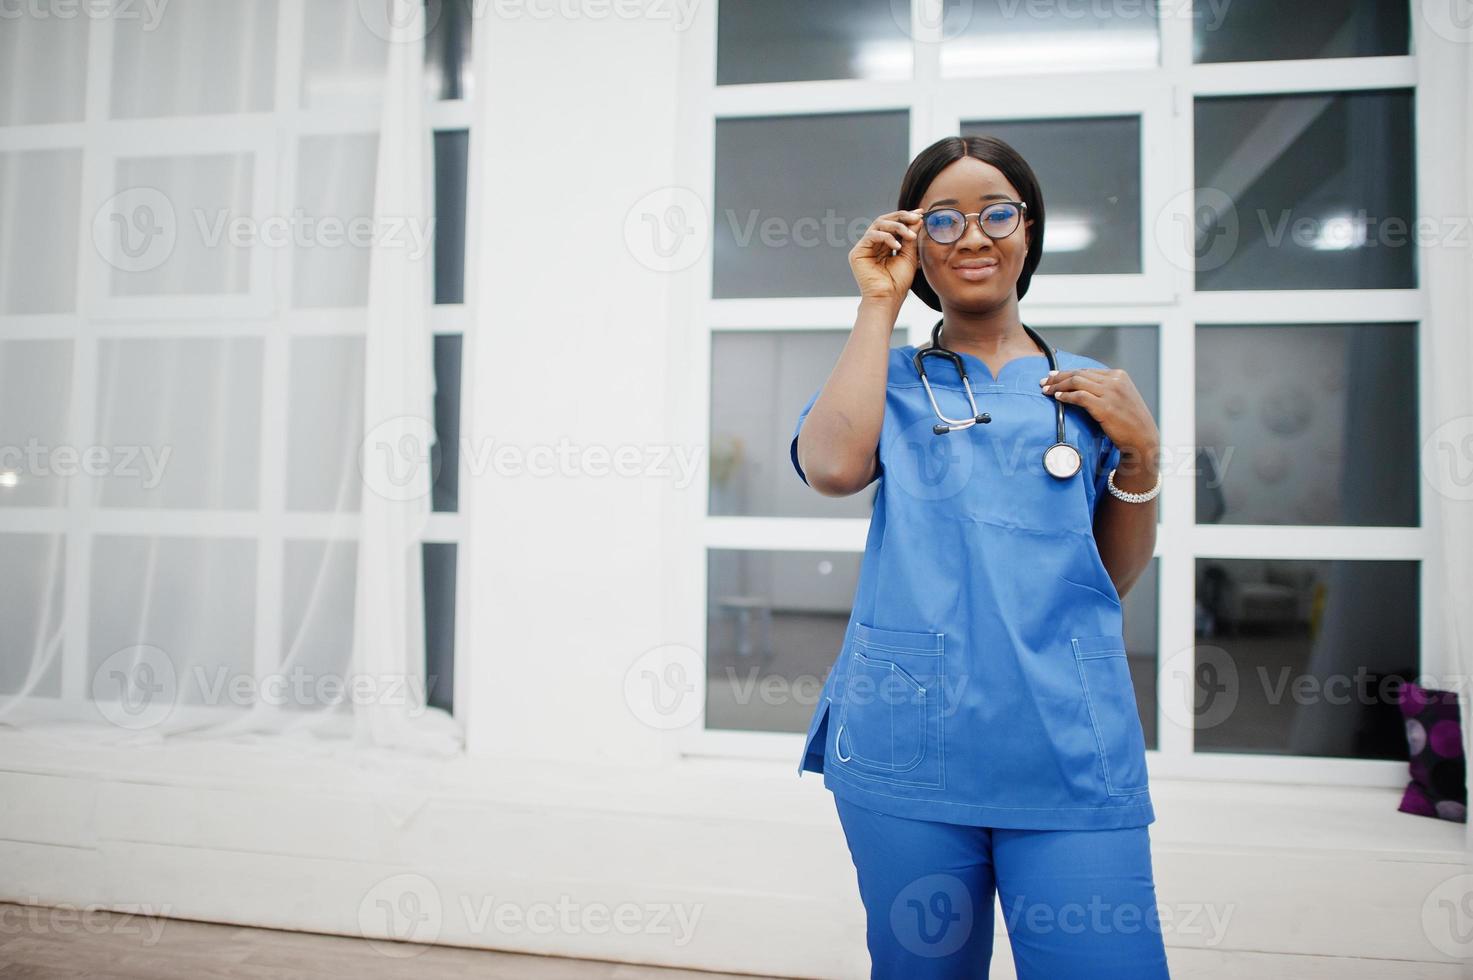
(1446, 68)
(1448, 454)
(216, 378)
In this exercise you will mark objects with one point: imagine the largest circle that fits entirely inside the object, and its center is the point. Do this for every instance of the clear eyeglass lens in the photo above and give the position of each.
(1000, 219)
(946, 225)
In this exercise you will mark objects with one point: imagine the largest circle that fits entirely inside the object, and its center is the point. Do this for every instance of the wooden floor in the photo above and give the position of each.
(117, 947)
(50, 944)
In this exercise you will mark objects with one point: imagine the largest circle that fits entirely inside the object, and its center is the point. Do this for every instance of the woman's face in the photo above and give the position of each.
(974, 272)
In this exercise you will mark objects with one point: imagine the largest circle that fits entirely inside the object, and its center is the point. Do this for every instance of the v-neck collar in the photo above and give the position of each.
(974, 364)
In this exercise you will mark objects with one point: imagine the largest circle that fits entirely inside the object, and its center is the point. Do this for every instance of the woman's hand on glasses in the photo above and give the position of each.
(885, 258)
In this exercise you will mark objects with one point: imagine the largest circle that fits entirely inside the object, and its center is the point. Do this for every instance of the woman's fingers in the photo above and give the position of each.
(1092, 389)
(1096, 380)
(895, 226)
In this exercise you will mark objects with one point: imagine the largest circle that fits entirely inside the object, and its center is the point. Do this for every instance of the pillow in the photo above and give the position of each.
(1435, 751)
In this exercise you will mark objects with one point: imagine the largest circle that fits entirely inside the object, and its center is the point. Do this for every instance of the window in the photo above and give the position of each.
(1307, 191)
(782, 41)
(1262, 30)
(172, 336)
(789, 191)
(1230, 201)
(1091, 169)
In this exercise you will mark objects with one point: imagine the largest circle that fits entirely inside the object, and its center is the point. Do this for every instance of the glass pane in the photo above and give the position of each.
(53, 48)
(450, 187)
(1314, 191)
(1007, 37)
(445, 453)
(190, 603)
(1090, 174)
(793, 195)
(198, 57)
(774, 623)
(1307, 424)
(40, 205)
(35, 415)
(180, 420)
(783, 41)
(343, 57)
(326, 431)
(167, 229)
(32, 583)
(448, 63)
(318, 579)
(335, 177)
(439, 573)
(760, 381)
(1269, 30)
(1303, 657)
(1141, 609)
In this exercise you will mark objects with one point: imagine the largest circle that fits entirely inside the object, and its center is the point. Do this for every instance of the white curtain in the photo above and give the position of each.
(399, 412)
(1447, 68)
(245, 559)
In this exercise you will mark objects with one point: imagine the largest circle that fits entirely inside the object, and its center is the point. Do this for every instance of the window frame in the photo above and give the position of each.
(1163, 294)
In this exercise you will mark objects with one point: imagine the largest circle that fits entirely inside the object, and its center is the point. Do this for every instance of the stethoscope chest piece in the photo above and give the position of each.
(1061, 460)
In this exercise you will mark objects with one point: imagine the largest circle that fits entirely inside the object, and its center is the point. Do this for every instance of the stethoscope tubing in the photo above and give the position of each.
(1067, 468)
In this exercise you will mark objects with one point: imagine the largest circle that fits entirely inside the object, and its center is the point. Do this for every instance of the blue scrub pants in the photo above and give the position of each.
(1078, 904)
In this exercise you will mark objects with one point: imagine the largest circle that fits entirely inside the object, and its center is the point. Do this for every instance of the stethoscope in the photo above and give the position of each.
(1061, 459)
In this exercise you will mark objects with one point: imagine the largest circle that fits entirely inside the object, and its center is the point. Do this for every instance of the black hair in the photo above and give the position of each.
(941, 154)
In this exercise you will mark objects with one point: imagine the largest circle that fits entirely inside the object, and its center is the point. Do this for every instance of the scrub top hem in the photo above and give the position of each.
(1097, 817)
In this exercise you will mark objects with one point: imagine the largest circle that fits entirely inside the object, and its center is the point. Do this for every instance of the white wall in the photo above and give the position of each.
(570, 344)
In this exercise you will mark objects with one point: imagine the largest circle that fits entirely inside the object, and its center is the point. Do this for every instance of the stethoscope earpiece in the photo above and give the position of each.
(1061, 459)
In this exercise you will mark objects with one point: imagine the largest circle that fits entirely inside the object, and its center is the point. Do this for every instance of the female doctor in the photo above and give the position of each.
(978, 728)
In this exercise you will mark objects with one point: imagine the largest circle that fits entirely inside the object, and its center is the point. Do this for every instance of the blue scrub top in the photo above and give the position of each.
(982, 677)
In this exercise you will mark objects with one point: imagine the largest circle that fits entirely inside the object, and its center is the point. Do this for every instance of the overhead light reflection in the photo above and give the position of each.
(1003, 53)
(881, 60)
(1340, 232)
(1067, 234)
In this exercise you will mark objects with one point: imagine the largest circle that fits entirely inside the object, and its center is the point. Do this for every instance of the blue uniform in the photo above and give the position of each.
(982, 678)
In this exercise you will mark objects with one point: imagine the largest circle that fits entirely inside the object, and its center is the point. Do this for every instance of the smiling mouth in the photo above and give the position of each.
(976, 273)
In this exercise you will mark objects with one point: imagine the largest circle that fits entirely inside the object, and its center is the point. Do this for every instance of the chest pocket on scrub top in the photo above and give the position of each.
(890, 699)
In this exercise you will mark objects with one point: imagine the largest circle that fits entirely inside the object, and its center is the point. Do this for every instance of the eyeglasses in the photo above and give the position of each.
(946, 225)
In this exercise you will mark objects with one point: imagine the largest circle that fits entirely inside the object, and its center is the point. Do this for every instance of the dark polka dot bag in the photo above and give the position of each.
(1434, 728)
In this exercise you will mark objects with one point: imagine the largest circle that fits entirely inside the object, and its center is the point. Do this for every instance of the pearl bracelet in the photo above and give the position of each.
(1133, 498)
